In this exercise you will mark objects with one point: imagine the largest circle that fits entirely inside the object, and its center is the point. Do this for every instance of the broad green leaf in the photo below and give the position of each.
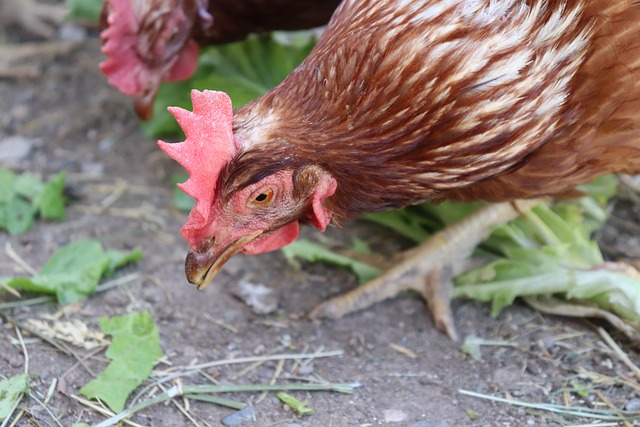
(51, 203)
(310, 251)
(11, 391)
(133, 352)
(17, 216)
(74, 271)
(23, 196)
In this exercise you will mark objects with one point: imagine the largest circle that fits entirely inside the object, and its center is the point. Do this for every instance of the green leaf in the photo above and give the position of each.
(312, 252)
(17, 215)
(74, 271)
(119, 259)
(86, 10)
(245, 70)
(300, 408)
(51, 203)
(11, 392)
(133, 352)
(23, 196)
(28, 186)
(7, 181)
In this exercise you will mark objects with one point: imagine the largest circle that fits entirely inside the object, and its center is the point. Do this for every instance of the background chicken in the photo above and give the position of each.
(153, 41)
(405, 102)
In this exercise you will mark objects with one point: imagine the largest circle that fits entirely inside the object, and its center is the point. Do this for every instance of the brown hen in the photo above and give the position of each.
(406, 101)
(148, 42)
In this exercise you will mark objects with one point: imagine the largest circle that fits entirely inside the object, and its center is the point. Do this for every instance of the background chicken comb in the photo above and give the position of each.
(121, 65)
(208, 147)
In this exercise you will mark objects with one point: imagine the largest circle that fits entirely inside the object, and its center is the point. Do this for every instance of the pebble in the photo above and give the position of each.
(71, 32)
(257, 296)
(246, 414)
(632, 404)
(15, 147)
(394, 416)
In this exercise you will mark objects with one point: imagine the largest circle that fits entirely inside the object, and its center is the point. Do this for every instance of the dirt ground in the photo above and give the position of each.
(410, 374)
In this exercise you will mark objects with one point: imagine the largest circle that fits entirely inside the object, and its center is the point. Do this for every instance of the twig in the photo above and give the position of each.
(254, 365)
(180, 408)
(618, 351)
(32, 396)
(246, 360)
(404, 350)
(11, 290)
(611, 406)
(18, 260)
(101, 410)
(26, 302)
(231, 388)
(24, 349)
(598, 414)
(275, 376)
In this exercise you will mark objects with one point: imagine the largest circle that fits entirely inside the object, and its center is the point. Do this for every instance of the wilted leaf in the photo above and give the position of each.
(134, 350)
(51, 203)
(11, 391)
(23, 196)
(74, 271)
(313, 252)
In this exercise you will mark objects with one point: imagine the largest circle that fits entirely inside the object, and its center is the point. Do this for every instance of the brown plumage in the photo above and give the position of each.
(376, 105)
(406, 101)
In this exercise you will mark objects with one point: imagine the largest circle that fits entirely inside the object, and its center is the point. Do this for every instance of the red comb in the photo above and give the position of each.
(208, 147)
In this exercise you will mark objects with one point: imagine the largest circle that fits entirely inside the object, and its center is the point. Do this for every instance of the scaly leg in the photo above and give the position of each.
(430, 267)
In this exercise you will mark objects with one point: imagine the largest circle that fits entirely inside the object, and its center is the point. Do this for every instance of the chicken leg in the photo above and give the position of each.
(430, 267)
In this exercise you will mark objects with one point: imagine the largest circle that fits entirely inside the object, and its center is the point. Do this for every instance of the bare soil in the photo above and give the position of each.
(410, 374)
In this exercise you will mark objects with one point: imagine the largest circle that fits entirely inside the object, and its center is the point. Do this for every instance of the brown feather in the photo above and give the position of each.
(406, 101)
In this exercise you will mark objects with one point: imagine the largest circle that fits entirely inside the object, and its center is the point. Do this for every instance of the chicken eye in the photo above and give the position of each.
(263, 198)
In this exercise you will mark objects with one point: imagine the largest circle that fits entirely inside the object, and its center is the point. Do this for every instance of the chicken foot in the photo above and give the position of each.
(430, 267)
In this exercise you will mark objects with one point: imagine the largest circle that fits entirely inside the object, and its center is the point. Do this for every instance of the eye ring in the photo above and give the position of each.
(263, 198)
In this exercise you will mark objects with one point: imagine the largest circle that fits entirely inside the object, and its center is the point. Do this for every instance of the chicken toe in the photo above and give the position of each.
(430, 267)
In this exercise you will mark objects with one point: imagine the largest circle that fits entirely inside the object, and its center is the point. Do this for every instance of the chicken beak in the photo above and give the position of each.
(202, 266)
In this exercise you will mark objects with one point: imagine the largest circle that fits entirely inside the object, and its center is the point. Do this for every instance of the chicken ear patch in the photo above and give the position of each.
(321, 215)
(208, 147)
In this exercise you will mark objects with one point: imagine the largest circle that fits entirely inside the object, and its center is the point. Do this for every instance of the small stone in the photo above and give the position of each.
(257, 296)
(15, 147)
(71, 32)
(632, 405)
(244, 415)
(394, 416)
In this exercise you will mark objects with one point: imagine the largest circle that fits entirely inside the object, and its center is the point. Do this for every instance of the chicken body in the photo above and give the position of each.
(148, 42)
(406, 101)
